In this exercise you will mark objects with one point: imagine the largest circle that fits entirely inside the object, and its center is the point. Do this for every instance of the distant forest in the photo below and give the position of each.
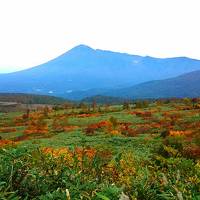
(30, 98)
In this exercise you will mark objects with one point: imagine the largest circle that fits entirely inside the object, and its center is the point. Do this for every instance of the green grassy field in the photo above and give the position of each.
(149, 152)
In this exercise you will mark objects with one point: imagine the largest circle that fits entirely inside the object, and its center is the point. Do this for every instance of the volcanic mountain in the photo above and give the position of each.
(84, 68)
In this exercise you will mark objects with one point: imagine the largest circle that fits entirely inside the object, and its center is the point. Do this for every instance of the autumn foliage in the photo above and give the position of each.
(38, 126)
(7, 129)
(4, 143)
(180, 133)
(138, 150)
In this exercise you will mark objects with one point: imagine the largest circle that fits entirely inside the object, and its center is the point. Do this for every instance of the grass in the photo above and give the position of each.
(137, 160)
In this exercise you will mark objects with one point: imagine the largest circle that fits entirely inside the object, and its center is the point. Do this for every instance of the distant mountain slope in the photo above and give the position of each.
(186, 85)
(30, 98)
(83, 68)
(104, 100)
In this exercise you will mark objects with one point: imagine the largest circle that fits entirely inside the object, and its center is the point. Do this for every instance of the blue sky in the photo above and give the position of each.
(35, 31)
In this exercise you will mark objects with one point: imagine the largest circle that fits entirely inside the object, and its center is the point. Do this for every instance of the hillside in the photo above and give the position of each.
(30, 98)
(187, 85)
(83, 68)
(99, 99)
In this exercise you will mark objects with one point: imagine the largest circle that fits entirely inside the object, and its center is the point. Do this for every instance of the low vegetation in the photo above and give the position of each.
(143, 150)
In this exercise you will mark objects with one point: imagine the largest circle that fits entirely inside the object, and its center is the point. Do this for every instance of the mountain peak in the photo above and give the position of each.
(81, 48)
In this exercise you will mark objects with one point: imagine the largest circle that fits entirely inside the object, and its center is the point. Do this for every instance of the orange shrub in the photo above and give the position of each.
(56, 152)
(91, 128)
(115, 132)
(19, 121)
(70, 128)
(36, 127)
(78, 152)
(104, 124)
(7, 129)
(89, 152)
(180, 133)
(6, 142)
(88, 115)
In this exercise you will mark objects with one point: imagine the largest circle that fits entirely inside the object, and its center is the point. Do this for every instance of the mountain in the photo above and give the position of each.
(186, 85)
(85, 69)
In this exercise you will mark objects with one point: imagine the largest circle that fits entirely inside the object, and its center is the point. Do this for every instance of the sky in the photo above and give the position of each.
(33, 32)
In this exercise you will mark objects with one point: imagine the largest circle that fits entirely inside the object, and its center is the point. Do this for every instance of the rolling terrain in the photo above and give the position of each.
(85, 69)
(187, 85)
(142, 151)
(31, 98)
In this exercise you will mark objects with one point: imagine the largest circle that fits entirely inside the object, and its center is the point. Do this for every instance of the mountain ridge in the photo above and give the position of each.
(84, 68)
(185, 85)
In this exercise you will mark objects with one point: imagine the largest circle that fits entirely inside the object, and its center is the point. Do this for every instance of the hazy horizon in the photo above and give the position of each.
(7, 71)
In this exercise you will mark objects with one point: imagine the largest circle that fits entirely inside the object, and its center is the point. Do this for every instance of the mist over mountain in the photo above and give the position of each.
(85, 69)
